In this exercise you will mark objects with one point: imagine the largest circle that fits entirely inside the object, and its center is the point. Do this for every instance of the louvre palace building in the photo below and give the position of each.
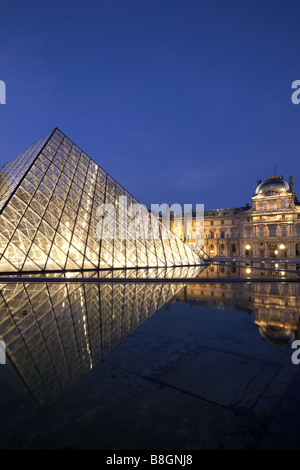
(267, 229)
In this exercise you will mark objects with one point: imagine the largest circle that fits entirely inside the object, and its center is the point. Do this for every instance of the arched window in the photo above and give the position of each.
(222, 249)
(212, 250)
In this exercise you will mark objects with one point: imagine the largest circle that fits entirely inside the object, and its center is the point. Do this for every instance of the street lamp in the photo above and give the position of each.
(248, 247)
(282, 246)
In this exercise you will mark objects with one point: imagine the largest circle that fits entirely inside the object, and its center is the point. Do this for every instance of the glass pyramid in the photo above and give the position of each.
(49, 196)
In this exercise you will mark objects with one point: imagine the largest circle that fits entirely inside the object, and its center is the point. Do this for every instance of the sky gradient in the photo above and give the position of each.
(180, 101)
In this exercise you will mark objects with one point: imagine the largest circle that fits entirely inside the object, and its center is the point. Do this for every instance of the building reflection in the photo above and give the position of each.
(274, 305)
(55, 333)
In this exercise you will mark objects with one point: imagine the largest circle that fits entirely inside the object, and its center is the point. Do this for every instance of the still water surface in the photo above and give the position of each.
(203, 365)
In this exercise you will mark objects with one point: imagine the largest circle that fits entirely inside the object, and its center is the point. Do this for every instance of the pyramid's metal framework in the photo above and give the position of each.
(49, 195)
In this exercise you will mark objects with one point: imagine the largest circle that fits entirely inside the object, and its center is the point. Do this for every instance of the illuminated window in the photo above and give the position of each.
(222, 249)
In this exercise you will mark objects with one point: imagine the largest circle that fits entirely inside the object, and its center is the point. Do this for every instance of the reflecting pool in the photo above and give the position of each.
(204, 364)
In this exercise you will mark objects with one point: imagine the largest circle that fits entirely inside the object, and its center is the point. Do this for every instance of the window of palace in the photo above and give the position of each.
(222, 222)
(212, 235)
(272, 205)
(222, 234)
(222, 249)
(261, 206)
(272, 230)
(211, 222)
(298, 230)
(261, 232)
(283, 231)
(233, 249)
(283, 204)
(248, 231)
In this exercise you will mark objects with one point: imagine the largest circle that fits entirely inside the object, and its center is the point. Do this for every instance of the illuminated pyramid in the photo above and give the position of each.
(49, 196)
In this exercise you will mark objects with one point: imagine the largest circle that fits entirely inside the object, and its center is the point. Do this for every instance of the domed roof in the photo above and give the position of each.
(277, 336)
(275, 182)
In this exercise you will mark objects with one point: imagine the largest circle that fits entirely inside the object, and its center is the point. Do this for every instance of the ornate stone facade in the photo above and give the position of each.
(268, 229)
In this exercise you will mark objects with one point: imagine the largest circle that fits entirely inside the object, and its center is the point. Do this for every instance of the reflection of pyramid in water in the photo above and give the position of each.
(49, 197)
(56, 333)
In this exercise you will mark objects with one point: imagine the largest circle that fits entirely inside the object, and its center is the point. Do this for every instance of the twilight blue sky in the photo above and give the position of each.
(183, 101)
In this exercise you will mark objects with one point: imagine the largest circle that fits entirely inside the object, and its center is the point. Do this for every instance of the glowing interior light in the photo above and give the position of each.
(248, 247)
(282, 273)
(276, 252)
(67, 206)
(282, 246)
(276, 265)
(248, 271)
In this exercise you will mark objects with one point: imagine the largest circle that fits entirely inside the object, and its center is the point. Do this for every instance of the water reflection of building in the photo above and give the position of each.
(275, 305)
(56, 333)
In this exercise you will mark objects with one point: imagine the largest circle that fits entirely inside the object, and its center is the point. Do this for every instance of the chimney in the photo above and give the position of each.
(258, 182)
(291, 184)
